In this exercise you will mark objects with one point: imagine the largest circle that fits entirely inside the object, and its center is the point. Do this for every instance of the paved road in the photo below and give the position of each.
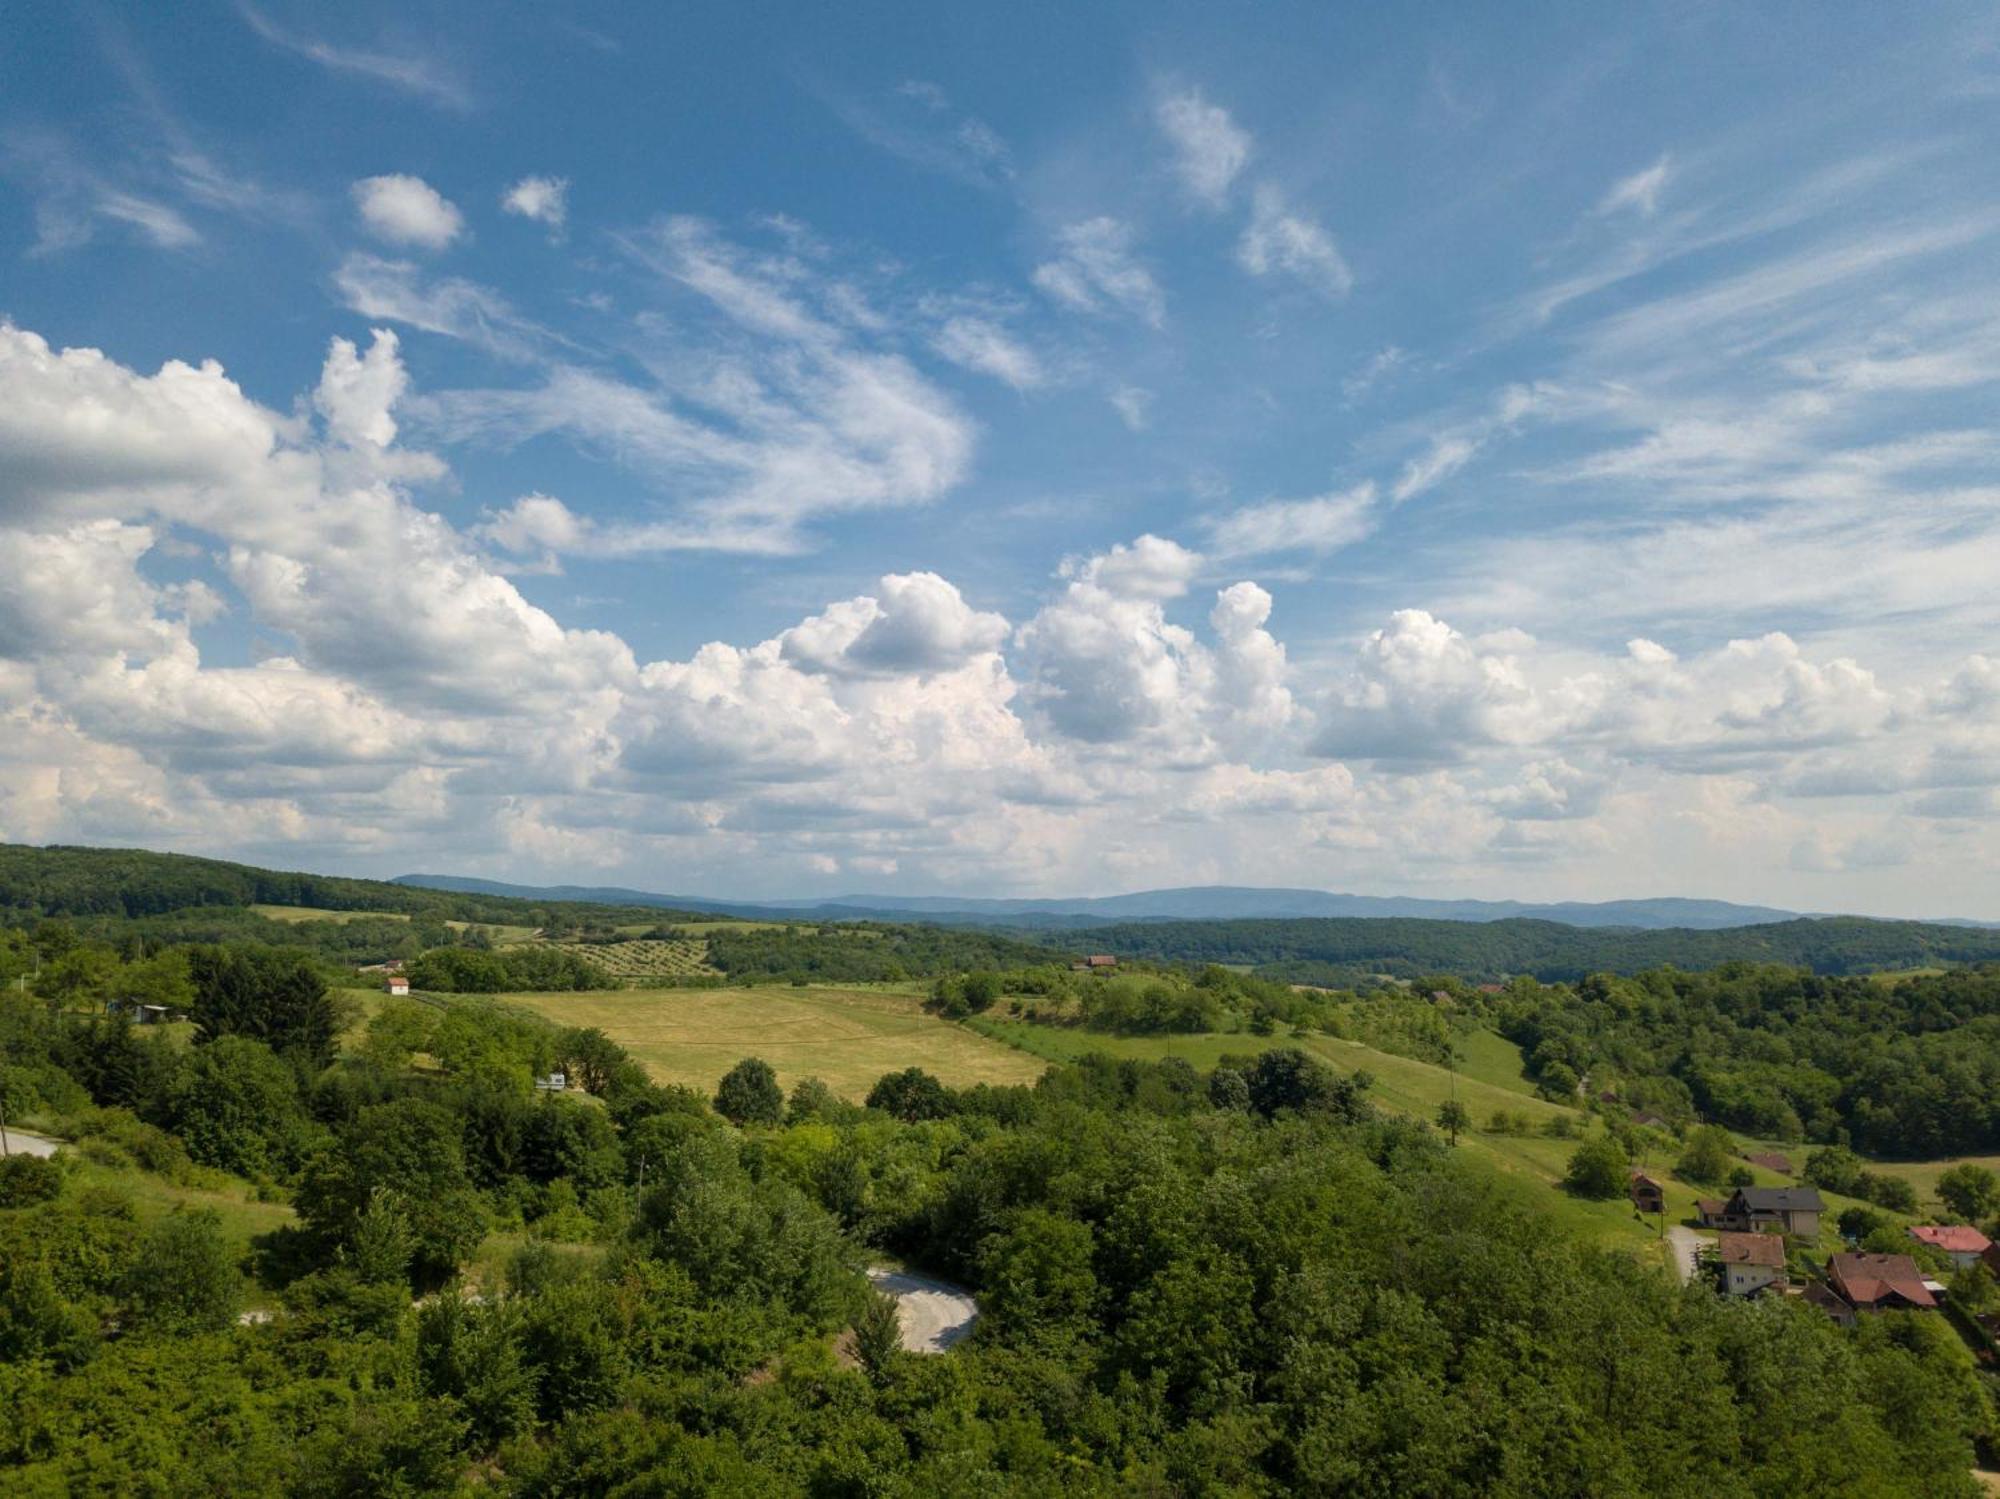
(934, 1313)
(20, 1142)
(1687, 1243)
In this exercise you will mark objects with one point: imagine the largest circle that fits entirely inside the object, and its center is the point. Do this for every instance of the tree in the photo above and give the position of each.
(1708, 1155)
(267, 994)
(910, 1095)
(183, 1278)
(1453, 1116)
(236, 1106)
(1228, 1090)
(749, 1094)
(1558, 1083)
(1288, 1078)
(811, 1099)
(1973, 1288)
(1891, 1192)
(397, 1031)
(1599, 1169)
(409, 1148)
(591, 1057)
(1037, 1278)
(1971, 1191)
(878, 1336)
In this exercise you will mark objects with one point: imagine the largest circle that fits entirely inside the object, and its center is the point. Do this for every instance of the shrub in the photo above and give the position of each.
(1599, 1170)
(28, 1179)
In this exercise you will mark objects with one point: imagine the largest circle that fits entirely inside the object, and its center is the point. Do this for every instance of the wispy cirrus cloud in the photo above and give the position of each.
(1096, 271)
(422, 76)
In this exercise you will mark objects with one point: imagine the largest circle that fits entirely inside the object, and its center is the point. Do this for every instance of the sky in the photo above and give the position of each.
(1541, 452)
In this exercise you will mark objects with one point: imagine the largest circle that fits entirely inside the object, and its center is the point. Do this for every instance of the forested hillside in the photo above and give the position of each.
(1338, 950)
(84, 882)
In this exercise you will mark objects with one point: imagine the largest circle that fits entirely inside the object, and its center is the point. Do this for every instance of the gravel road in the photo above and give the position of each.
(19, 1142)
(934, 1313)
(1687, 1243)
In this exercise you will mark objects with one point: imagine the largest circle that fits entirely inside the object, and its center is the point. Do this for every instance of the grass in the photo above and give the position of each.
(320, 913)
(848, 1037)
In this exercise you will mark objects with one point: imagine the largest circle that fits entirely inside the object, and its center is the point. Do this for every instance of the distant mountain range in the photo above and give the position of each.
(1188, 903)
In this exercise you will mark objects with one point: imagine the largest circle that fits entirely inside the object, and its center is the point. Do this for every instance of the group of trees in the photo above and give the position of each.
(1150, 1000)
(1906, 1067)
(861, 952)
(527, 967)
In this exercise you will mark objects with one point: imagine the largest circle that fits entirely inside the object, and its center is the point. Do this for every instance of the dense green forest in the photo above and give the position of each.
(86, 882)
(1241, 1282)
(1908, 1067)
(1339, 951)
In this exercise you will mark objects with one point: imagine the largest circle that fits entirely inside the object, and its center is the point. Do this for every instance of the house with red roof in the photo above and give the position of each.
(1877, 1283)
(1965, 1245)
(397, 984)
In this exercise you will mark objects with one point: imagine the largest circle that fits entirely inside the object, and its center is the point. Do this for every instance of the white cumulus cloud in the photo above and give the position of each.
(406, 210)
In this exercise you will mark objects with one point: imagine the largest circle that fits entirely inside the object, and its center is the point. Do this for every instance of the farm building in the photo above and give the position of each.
(142, 1014)
(397, 984)
(1096, 963)
(1966, 1245)
(1750, 1262)
(1648, 1196)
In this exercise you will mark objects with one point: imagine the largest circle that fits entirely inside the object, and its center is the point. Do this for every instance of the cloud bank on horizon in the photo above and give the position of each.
(1367, 455)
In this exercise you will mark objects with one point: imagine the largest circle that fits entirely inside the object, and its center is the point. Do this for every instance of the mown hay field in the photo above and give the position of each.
(846, 1037)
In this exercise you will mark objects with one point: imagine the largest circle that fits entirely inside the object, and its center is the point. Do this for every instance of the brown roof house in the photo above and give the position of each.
(397, 984)
(1877, 1283)
(1750, 1262)
(1648, 1196)
(1966, 1246)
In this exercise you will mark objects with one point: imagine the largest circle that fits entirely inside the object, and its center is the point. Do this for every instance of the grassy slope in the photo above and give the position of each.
(848, 1037)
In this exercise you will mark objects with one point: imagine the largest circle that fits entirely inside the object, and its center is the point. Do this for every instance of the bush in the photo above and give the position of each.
(1599, 1170)
(183, 1278)
(28, 1179)
(1707, 1157)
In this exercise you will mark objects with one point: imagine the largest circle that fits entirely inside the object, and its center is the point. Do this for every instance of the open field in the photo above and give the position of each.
(847, 1037)
(320, 913)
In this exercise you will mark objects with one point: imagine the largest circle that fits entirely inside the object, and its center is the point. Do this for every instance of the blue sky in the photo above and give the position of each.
(1544, 451)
